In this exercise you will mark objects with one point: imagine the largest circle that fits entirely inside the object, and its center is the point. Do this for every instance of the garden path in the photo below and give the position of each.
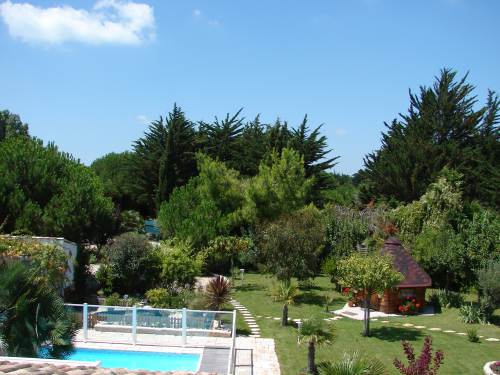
(247, 316)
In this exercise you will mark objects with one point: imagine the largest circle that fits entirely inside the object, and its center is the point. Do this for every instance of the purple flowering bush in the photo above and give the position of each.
(425, 364)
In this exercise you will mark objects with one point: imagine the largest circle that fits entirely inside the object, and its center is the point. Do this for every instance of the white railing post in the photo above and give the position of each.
(233, 348)
(85, 322)
(134, 325)
(184, 326)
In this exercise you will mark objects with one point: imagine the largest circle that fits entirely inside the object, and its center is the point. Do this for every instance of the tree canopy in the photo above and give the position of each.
(443, 127)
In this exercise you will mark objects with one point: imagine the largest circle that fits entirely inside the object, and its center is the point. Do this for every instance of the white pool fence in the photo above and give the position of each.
(152, 326)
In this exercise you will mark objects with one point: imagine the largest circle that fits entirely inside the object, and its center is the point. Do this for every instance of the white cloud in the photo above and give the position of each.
(108, 22)
(198, 14)
(142, 119)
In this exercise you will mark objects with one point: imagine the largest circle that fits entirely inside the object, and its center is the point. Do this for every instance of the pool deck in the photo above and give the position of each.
(258, 353)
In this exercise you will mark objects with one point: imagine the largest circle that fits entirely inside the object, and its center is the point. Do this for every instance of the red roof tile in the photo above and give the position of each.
(415, 276)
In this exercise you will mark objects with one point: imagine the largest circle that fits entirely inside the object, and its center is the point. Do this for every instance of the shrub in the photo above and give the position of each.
(353, 364)
(489, 286)
(113, 300)
(218, 293)
(425, 364)
(49, 260)
(168, 299)
(222, 252)
(472, 335)
(409, 306)
(105, 279)
(471, 314)
(441, 298)
(179, 266)
(132, 263)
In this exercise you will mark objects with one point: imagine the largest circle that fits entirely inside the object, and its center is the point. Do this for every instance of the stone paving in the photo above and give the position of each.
(249, 319)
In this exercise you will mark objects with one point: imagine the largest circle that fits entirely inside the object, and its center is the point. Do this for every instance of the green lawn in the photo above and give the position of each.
(461, 356)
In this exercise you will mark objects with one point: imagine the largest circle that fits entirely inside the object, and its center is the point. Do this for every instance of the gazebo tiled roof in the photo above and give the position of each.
(415, 276)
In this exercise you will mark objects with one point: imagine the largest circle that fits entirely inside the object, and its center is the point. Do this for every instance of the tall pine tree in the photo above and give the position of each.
(442, 128)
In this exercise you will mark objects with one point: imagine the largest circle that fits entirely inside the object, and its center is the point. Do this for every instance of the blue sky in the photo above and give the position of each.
(88, 75)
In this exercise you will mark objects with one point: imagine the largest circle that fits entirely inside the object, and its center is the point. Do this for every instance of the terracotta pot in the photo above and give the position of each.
(350, 303)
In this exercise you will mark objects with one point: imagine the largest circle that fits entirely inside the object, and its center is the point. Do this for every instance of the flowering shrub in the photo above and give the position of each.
(409, 306)
(425, 364)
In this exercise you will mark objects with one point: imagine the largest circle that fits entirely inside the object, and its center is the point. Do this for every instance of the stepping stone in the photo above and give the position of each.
(480, 337)
(296, 320)
(420, 327)
(374, 319)
(384, 321)
(269, 317)
(277, 318)
(434, 329)
(462, 333)
(407, 325)
(492, 339)
(252, 325)
(451, 331)
(256, 336)
(259, 316)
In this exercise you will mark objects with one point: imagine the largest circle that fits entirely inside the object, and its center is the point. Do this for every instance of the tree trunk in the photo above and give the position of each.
(311, 359)
(284, 318)
(367, 314)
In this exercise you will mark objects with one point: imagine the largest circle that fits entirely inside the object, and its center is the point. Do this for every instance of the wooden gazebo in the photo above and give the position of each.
(415, 282)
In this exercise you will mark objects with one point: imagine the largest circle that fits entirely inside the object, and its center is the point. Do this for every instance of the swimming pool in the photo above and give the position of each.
(153, 361)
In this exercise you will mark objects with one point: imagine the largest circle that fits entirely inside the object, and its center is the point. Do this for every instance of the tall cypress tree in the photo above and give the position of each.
(314, 148)
(442, 128)
(221, 139)
(164, 158)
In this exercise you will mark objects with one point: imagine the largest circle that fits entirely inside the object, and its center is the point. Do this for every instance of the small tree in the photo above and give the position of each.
(179, 266)
(285, 292)
(315, 332)
(425, 364)
(370, 274)
(489, 287)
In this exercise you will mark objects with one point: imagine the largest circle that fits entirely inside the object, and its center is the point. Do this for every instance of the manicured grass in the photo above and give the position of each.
(461, 356)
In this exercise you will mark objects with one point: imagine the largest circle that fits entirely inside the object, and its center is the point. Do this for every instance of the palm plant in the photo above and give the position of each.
(285, 292)
(315, 332)
(218, 293)
(32, 315)
(353, 364)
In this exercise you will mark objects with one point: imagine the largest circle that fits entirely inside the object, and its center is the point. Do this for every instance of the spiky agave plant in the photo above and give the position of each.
(353, 364)
(218, 293)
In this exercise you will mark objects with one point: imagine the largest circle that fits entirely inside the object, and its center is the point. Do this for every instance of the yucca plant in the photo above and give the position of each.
(285, 292)
(315, 332)
(353, 364)
(218, 293)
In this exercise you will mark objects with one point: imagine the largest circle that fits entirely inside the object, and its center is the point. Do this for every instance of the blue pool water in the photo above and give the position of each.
(138, 360)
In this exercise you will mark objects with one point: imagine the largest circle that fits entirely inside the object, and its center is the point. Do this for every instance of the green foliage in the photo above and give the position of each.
(132, 263)
(189, 217)
(285, 291)
(169, 299)
(443, 127)
(163, 159)
(104, 276)
(353, 364)
(489, 287)
(115, 171)
(217, 293)
(471, 314)
(346, 228)
(472, 335)
(131, 221)
(343, 191)
(113, 300)
(41, 189)
(315, 332)
(49, 261)
(441, 298)
(178, 265)
(441, 253)
(222, 252)
(11, 126)
(32, 315)
(291, 245)
(450, 239)
(280, 187)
